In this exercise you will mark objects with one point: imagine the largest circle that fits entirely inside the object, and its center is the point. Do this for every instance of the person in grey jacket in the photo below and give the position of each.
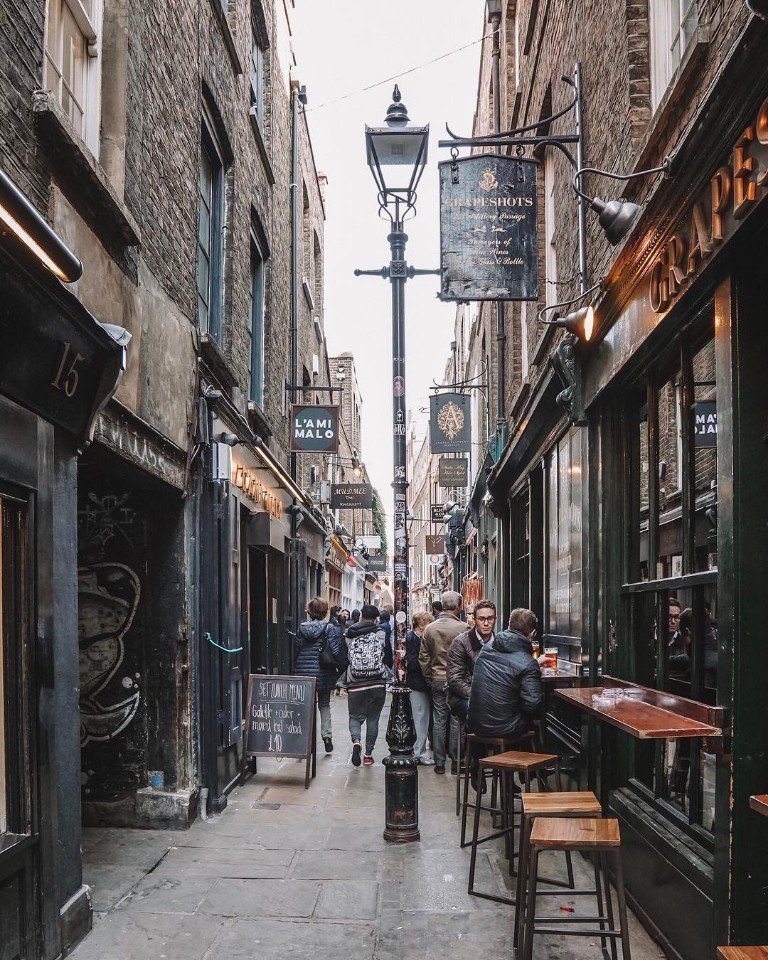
(311, 637)
(507, 691)
(462, 654)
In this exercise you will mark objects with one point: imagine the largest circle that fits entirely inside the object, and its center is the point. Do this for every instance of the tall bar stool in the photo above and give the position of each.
(505, 765)
(554, 804)
(602, 839)
(497, 745)
(462, 767)
(742, 953)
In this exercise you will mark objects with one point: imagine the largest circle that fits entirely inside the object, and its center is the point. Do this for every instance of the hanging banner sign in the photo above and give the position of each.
(705, 423)
(435, 546)
(450, 426)
(314, 428)
(351, 496)
(488, 229)
(453, 472)
(378, 563)
(437, 512)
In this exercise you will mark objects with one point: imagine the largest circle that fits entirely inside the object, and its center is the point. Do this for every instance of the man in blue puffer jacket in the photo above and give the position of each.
(315, 636)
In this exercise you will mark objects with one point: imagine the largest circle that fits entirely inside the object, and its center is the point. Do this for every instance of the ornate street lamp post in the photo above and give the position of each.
(397, 155)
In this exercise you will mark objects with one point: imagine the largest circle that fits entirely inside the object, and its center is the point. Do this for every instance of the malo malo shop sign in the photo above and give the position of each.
(314, 428)
(488, 228)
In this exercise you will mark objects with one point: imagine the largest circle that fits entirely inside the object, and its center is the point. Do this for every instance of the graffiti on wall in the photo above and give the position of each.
(108, 596)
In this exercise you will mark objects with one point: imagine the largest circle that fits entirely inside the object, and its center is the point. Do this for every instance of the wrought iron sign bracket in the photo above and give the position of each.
(312, 388)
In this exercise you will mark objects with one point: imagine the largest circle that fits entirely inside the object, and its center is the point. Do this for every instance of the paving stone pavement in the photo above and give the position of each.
(306, 875)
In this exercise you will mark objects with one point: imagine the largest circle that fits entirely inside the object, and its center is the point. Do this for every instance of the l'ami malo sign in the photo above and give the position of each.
(314, 428)
(732, 193)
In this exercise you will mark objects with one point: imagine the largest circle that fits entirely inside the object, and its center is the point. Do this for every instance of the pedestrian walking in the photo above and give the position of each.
(366, 682)
(322, 654)
(421, 700)
(355, 616)
(385, 624)
(433, 656)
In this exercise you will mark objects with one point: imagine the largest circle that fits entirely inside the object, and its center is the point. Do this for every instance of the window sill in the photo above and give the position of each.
(308, 293)
(229, 39)
(258, 421)
(679, 87)
(84, 167)
(214, 358)
(258, 136)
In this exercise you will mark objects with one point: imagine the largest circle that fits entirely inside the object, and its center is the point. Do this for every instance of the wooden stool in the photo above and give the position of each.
(463, 771)
(602, 839)
(505, 765)
(563, 804)
(742, 953)
(498, 745)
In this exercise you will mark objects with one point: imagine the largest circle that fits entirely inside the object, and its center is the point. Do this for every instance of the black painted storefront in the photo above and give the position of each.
(57, 367)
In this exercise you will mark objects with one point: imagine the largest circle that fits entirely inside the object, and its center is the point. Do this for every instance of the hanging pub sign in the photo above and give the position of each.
(378, 563)
(453, 472)
(705, 423)
(435, 546)
(437, 511)
(351, 496)
(314, 428)
(450, 426)
(488, 229)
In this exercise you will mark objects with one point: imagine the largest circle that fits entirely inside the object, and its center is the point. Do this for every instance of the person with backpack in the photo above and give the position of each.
(366, 682)
(322, 654)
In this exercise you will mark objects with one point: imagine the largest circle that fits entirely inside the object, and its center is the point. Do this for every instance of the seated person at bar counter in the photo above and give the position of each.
(462, 654)
(507, 692)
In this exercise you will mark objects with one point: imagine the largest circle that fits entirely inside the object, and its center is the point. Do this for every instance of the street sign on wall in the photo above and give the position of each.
(453, 472)
(488, 229)
(450, 424)
(314, 428)
(351, 496)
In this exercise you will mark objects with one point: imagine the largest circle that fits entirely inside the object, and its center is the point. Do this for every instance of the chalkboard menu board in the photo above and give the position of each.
(280, 717)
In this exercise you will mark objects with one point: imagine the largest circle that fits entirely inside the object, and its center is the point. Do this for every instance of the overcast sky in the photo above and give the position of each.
(343, 46)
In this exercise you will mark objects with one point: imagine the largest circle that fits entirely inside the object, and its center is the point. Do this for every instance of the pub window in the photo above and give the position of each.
(672, 25)
(210, 236)
(72, 65)
(257, 323)
(670, 592)
(564, 561)
(520, 517)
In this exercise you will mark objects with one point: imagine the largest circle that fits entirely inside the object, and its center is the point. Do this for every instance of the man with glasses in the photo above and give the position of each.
(463, 653)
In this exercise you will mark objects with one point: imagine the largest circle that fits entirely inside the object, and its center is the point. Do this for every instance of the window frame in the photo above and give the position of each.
(258, 306)
(258, 73)
(210, 150)
(668, 21)
(90, 27)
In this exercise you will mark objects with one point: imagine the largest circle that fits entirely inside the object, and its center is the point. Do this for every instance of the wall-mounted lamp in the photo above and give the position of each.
(230, 439)
(759, 8)
(616, 216)
(18, 216)
(581, 322)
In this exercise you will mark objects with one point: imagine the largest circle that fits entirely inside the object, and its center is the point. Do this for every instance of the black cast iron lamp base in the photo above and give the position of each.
(401, 777)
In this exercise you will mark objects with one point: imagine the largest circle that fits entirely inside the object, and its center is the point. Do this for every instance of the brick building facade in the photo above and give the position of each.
(162, 144)
(613, 512)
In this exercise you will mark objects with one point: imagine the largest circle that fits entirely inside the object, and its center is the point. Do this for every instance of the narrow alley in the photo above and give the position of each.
(314, 861)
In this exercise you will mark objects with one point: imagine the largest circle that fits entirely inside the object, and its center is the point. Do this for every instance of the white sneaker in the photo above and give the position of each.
(426, 761)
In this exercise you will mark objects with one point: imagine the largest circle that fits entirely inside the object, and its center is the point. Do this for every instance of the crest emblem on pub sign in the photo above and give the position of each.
(314, 428)
(450, 429)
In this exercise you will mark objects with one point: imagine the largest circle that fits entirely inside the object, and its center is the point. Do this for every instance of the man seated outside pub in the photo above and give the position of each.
(506, 694)
(462, 655)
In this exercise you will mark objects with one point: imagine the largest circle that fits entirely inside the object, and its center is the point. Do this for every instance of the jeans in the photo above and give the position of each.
(441, 723)
(365, 706)
(420, 706)
(324, 706)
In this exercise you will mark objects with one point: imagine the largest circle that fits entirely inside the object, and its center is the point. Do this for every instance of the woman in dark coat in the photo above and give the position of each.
(420, 695)
(312, 637)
